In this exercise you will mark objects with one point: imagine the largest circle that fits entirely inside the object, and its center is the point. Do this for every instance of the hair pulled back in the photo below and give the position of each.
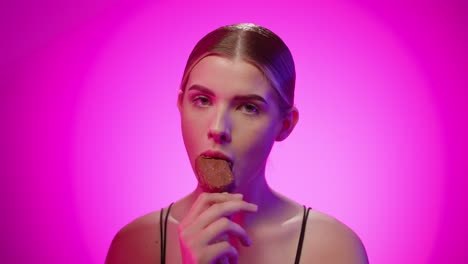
(256, 45)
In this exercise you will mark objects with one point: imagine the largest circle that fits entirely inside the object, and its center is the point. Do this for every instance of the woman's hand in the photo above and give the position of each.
(203, 232)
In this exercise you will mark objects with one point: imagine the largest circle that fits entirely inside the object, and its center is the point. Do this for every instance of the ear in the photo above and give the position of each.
(180, 98)
(288, 123)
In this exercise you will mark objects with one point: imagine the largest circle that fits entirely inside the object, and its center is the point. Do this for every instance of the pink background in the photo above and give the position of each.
(91, 135)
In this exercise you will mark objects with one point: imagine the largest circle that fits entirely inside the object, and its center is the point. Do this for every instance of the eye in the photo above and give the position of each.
(250, 109)
(201, 101)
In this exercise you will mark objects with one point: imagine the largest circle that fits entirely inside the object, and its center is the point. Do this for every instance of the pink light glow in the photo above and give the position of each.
(94, 140)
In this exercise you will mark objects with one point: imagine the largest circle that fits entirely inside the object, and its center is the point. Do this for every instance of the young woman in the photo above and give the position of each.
(236, 99)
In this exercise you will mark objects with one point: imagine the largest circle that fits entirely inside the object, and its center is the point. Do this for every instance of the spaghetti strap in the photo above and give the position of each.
(301, 237)
(163, 233)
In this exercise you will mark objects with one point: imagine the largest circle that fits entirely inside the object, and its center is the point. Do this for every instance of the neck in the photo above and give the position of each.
(257, 192)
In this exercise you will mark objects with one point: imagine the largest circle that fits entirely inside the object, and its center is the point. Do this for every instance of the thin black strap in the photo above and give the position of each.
(161, 236)
(163, 232)
(301, 237)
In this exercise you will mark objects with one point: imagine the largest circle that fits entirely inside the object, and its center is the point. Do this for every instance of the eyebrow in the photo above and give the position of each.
(248, 97)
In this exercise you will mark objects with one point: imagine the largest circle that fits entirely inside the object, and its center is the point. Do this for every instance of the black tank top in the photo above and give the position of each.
(163, 233)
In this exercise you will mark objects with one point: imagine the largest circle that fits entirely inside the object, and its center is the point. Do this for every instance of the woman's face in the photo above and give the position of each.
(229, 109)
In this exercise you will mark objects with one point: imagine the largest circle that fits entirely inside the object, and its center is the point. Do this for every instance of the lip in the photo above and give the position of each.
(217, 155)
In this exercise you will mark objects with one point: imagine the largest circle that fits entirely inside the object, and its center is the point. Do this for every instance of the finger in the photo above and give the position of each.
(222, 227)
(220, 251)
(225, 209)
(205, 200)
(224, 260)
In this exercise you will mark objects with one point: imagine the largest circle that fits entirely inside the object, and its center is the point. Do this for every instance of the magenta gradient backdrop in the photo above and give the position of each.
(91, 134)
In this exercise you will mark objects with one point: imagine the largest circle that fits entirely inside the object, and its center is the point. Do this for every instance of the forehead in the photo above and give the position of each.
(229, 75)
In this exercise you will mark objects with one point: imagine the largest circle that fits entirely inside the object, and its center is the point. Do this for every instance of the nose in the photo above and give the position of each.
(220, 129)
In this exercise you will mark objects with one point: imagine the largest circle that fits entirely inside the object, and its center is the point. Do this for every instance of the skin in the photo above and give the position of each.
(228, 106)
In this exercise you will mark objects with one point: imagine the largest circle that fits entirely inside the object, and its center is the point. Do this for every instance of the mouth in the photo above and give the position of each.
(217, 155)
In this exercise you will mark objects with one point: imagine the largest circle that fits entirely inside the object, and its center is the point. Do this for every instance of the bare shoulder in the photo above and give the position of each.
(328, 240)
(137, 242)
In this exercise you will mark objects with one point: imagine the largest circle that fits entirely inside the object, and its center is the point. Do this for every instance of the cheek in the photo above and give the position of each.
(191, 132)
(258, 140)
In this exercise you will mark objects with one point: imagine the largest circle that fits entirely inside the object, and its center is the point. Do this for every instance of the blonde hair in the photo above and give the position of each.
(254, 44)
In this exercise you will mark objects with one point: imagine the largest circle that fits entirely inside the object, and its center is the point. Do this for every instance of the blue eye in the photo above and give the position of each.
(201, 101)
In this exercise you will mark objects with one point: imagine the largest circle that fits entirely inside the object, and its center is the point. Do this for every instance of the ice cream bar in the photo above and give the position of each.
(214, 175)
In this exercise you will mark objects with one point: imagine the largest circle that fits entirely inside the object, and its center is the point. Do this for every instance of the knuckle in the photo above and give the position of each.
(217, 206)
(225, 246)
(204, 197)
(224, 223)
